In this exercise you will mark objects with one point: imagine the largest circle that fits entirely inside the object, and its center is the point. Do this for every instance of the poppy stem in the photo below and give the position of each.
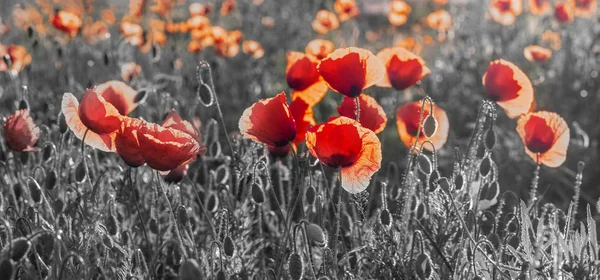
(162, 190)
(338, 211)
(357, 101)
(137, 206)
(534, 185)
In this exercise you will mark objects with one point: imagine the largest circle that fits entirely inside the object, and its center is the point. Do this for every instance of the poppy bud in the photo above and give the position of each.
(385, 218)
(35, 191)
(23, 104)
(310, 195)
(485, 166)
(430, 126)
(228, 246)
(20, 247)
(7, 270)
(424, 164)
(258, 195)
(490, 139)
(316, 234)
(81, 171)
(112, 225)
(423, 266)
(459, 182)
(295, 266)
(182, 215)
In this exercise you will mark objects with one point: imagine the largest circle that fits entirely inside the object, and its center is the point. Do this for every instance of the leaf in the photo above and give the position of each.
(525, 226)
(592, 237)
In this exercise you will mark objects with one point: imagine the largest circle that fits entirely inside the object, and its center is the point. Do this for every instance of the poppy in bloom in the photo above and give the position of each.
(253, 48)
(343, 143)
(20, 132)
(407, 120)
(403, 68)
(505, 12)
(372, 115)
(269, 121)
(325, 22)
(539, 7)
(198, 22)
(227, 7)
(319, 48)
(95, 32)
(19, 58)
(127, 144)
(545, 136)
(302, 75)
(509, 87)
(136, 7)
(346, 9)
(303, 116)
(133, 33)
(439, 20)
(198, 9)
(174, 121)
(585, 8)
(130, 71)
(351, 70)
(66, 22)
(194, 46)
(399, 11)
(101, 111)
(537, 53)
(564, 12)
(165, 148)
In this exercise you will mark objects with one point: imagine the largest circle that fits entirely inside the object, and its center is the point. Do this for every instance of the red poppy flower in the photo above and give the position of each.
(164, 148)
(346, 9)
(67, 22)
(539, 7)
(407, 120)
(439, 20)
(127, 144)
(372, 116)
(399, 11)
(20, 132)
(564, 12)
(269, 121)
(505, 12)
(174, 121)
(537, 53)
(319, 48)
(119, 94)
(325, 21)
(303, 116)
(545, 136)
(404, 68)
(506, 84)
(302, 75)
(351, 70)
(344, 143)
(585, 8)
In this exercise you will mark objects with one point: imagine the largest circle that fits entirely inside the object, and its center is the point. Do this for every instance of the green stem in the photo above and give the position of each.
(162, 190)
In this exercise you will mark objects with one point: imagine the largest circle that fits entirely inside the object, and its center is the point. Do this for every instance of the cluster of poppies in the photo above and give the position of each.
(101, 121)
(505, 12)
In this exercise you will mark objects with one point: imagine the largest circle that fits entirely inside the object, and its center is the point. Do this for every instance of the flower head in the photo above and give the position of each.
(20, 132)
(403, 68)
(372, 115)
(506, 84)
(269, 121)
(407, 120)
(545, 136)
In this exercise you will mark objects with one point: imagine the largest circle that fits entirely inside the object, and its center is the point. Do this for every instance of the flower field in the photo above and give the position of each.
(326, 139)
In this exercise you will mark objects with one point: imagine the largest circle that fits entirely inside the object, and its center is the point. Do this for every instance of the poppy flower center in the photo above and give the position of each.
(540, 136)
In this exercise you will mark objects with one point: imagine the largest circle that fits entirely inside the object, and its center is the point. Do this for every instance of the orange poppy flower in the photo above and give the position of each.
(162, 7)
(25, 16)
(545, 136)
(509, 87)
(409, 43)
(303, 116)
(351, 70)
(537, 53)
(319, 48)
(372, 115)
(407, 120)
(399, 11)
(66, 22)
(403, 68)
(136, 7)
(20, 132)
(564, 12)
(132, 32)
(302, 76)
(269, 121)
(194, 46)
(235, 36)
(585, 8)
(127, 144)
(346, 9)
(130, 71)
(164, 148)
(552, 39)
(505, 12)
(253, 48)
(198, 9)
(227, 7)
(108, 16)
(325, 22)
(344, 143)
(95, 32)
(227, 49)
(440, 20)
(19, 58)
(198, 22)
(539, 7)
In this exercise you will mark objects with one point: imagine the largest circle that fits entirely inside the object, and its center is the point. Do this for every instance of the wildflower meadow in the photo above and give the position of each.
(300, 139)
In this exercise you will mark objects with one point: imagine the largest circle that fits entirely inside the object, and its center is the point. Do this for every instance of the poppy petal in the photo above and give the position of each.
(537, 53)
(404, 68)
(303, 116)
(301, 71)
(372, 115)
(269, 121)
(127, 143)
(70, 109)
(97, 114)
(119, 94)
(165, 149)
(506, 84)
(545, 133)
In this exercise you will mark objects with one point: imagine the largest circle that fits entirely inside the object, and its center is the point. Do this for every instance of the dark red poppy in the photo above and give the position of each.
(537, 53)
(404, 68)
(269, 121)
(407, 120)
(351, 70)
(302, 76)
(344, 143)
(164, 148)
(564, 12)
(545, 136)
(372, 115)
(303, 116)
(127, 144)
(20, 132)
(506, 84)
